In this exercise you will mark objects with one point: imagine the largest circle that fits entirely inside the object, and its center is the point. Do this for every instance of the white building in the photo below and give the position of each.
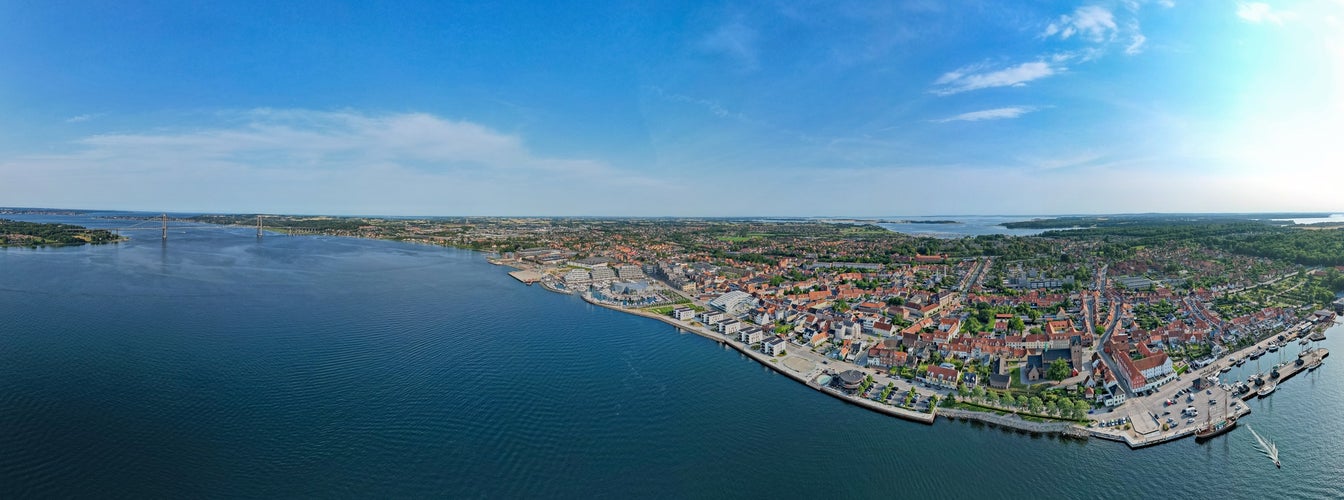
(734, 302)
(730, 326)
(711, 316)
(774, 346)
(683, 313)
(577, 276)
(603, 273)
(751, 335)
(630, 273)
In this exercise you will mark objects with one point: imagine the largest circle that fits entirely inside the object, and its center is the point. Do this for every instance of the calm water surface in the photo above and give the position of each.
(219, 365)
(967, 225)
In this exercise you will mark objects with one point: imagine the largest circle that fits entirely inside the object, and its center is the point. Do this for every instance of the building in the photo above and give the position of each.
(729, 326)
(632, 273)
(577, 276)
(774, 347)
(849, 379)
(591, 262)
(711, 317)
(942, 376)
(603, 274)
(751, 335)
(683, 313)
(734, 302)
(631, 288)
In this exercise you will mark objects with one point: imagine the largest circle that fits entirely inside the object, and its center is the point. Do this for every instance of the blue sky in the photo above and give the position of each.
(671, 108)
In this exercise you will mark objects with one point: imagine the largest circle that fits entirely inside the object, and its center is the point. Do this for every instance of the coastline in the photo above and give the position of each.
(1007, 422)
(914, 416)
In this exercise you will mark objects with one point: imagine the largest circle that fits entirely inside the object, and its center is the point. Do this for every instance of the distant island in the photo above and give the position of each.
(35, 234)
(892, 221)
(1113, 221)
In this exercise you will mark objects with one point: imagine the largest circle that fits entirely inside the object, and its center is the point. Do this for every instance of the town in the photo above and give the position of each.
(1085, 333)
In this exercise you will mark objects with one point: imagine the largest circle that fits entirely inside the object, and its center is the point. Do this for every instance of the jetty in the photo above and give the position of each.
(527, 276)
(1308, 358)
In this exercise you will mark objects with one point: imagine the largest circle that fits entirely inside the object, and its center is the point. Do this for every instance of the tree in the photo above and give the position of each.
(1081, 408)
(1016, 324)
(1034, 404)
(1058, 370)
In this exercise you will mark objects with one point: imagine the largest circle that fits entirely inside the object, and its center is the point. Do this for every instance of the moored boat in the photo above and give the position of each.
(1267, 390)
(1314, 365)
(1214, 429)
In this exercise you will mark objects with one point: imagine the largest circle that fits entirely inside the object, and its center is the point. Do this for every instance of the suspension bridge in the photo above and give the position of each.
(161, 224)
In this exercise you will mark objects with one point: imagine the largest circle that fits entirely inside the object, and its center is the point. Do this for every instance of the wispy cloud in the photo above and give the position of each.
(736, 41)
(1092, 22)
(990, 114)
(973, 78)
(82, 118)
(340, 161)
(1258, 12)
(1135, 44)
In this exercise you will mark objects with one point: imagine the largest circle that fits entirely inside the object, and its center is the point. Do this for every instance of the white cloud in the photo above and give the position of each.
(990, 114)
(735, 40)
(334, 140)
(970, 78)
(82, 118)
(333, 162)
(1136, 44)
(1258, 12)
(1092, 22)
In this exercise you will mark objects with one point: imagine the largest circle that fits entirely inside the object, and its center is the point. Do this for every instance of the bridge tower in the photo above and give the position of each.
(258, 225)
(165, 226)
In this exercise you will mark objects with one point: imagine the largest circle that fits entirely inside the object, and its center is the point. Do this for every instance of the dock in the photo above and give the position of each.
(1290, 369)
(527, 276)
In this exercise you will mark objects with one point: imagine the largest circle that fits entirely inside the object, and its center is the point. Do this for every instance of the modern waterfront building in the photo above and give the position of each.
(603, 274)
(683, 313)
(711, 317)
(734, 302)
(849, 379)
(632, 273)
(751, 335)
(577, 276)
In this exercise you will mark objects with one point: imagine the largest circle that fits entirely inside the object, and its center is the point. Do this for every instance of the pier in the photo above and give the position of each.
(527, 276)
(1291, 369)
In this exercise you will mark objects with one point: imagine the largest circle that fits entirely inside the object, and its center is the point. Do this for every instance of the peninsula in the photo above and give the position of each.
(1089, 332)
(36, 234)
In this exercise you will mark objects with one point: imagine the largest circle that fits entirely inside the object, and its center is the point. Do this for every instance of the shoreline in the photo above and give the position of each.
(1005, 422)
(910, 415)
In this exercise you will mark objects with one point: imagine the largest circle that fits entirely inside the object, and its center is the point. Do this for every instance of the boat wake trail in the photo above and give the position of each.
(1266, 447)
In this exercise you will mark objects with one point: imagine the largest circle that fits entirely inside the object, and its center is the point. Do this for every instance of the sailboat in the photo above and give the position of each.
(1212, 429)
(1267, 447)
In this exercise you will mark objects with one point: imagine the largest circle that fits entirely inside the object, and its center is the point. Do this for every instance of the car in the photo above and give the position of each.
(1210, 391)
(1168, 412)
(1190, 421)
